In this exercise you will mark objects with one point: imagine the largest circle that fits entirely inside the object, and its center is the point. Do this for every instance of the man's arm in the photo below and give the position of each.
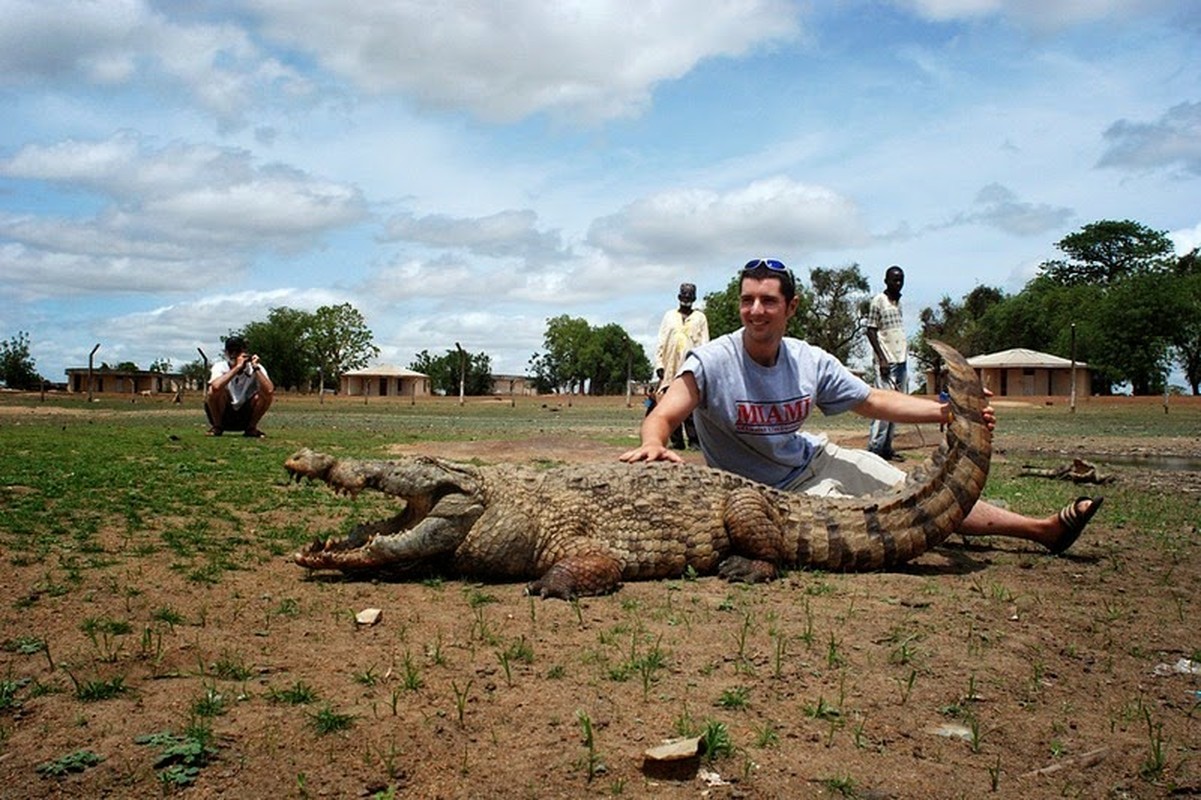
(260, 374)
(221, 381)
(898, 407)
(665, 328)
(677, 403)
(873, 338)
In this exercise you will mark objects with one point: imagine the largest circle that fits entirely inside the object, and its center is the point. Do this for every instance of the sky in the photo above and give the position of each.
(464, 170)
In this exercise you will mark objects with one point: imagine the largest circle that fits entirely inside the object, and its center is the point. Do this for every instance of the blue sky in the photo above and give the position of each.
(464, 171)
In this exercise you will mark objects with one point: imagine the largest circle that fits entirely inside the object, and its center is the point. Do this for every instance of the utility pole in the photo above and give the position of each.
(91, 355)
(1072, 398)
(462, 372)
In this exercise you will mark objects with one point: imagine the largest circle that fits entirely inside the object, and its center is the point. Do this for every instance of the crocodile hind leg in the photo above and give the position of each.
(756, 538)
(578, 575)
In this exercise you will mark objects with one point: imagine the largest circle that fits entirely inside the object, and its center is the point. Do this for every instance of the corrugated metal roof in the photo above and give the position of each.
(1021, 357)
(391, 370)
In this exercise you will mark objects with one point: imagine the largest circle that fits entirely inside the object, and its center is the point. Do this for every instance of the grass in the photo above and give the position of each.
(91, 493)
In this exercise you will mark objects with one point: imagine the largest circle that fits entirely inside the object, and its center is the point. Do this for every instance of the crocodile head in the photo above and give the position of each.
(441, 502)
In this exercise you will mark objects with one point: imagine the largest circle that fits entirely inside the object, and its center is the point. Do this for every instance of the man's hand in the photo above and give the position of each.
(651, 452)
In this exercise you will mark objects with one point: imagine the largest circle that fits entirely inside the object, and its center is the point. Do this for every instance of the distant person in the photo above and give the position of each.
(753, 390)
(240, 392)
(886, 334)
(682, 329)
(649, 402)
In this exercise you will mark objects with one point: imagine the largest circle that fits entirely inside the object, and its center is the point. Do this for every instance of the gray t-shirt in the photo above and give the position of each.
(750, 417)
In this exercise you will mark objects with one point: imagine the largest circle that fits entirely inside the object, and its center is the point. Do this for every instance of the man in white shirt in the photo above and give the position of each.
(240, 392)
(682, 329)
(886, 334)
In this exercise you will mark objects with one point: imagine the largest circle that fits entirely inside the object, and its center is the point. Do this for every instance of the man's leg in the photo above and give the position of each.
(214, 408)
(846, 472)
(259, 403)
(694, 441)
(879, 440)
(986, 519)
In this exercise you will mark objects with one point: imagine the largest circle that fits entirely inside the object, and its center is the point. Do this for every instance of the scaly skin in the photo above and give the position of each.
(581, 530)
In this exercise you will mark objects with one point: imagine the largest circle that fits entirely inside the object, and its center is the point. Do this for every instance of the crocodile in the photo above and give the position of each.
(584, 529)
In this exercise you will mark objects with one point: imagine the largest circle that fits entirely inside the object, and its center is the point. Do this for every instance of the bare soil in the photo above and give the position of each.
(980, 668)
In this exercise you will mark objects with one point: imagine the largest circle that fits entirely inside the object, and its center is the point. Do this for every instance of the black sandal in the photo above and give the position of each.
(214, 431)
(254, 433)
(1073, 521)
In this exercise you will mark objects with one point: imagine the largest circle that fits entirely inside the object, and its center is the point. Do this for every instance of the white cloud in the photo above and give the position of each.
(1037, 15)
(504, 234)
(1000, 208)
(1186, 239)
(110, 44)
(173, 219)
(589, 59)
(1173, 140)
(773, 216)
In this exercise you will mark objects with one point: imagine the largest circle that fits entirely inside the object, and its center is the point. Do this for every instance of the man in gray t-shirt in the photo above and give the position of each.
(751, 392)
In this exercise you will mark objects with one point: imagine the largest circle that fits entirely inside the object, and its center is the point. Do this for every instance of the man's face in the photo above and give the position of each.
(894, 280)
(763, 310)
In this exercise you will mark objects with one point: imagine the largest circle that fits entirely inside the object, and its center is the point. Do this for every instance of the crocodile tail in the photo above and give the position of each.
(937, 495)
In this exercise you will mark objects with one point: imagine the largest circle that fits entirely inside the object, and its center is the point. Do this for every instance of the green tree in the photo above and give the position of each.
(1115, 300)
(443, 371)
(1104, 252)
(1186, 336)
(340, 340)
(160, 365)
(837, 317)
(17, 366)
(282, 343)
(560, 368)
(578, 355)
(195, 372)
(609, 357)
(959, 324)
(1137, 315)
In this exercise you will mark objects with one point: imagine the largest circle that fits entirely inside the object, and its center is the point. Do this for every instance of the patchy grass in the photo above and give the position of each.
(146, 577)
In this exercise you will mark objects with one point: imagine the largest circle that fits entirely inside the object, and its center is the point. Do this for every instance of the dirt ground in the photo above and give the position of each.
(982, 669)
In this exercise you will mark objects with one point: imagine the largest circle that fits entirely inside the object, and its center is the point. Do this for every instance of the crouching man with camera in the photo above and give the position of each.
(240, 392)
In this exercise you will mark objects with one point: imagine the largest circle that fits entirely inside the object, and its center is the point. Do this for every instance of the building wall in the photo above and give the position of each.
(512, 384)
(1028, 382)
(118, 382)
(384, 386)
(1035, 381)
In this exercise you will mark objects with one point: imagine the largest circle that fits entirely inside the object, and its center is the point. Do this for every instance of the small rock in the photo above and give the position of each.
(675, 750)
(368, 616)
(675, 760)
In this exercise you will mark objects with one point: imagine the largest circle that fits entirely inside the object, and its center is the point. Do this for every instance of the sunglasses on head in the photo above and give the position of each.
(770, 263)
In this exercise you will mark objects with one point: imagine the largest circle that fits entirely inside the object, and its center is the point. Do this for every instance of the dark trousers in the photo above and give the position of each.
(687, 430)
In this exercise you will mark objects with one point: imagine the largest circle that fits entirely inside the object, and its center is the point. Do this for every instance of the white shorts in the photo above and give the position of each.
(845, 472)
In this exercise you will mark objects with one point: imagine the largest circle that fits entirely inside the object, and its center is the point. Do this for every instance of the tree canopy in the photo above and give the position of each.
(17, 367)
(444, 371)
(837, 315)
(1131, 308)
(295, 345)
(581, 357)
(1104, 252)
